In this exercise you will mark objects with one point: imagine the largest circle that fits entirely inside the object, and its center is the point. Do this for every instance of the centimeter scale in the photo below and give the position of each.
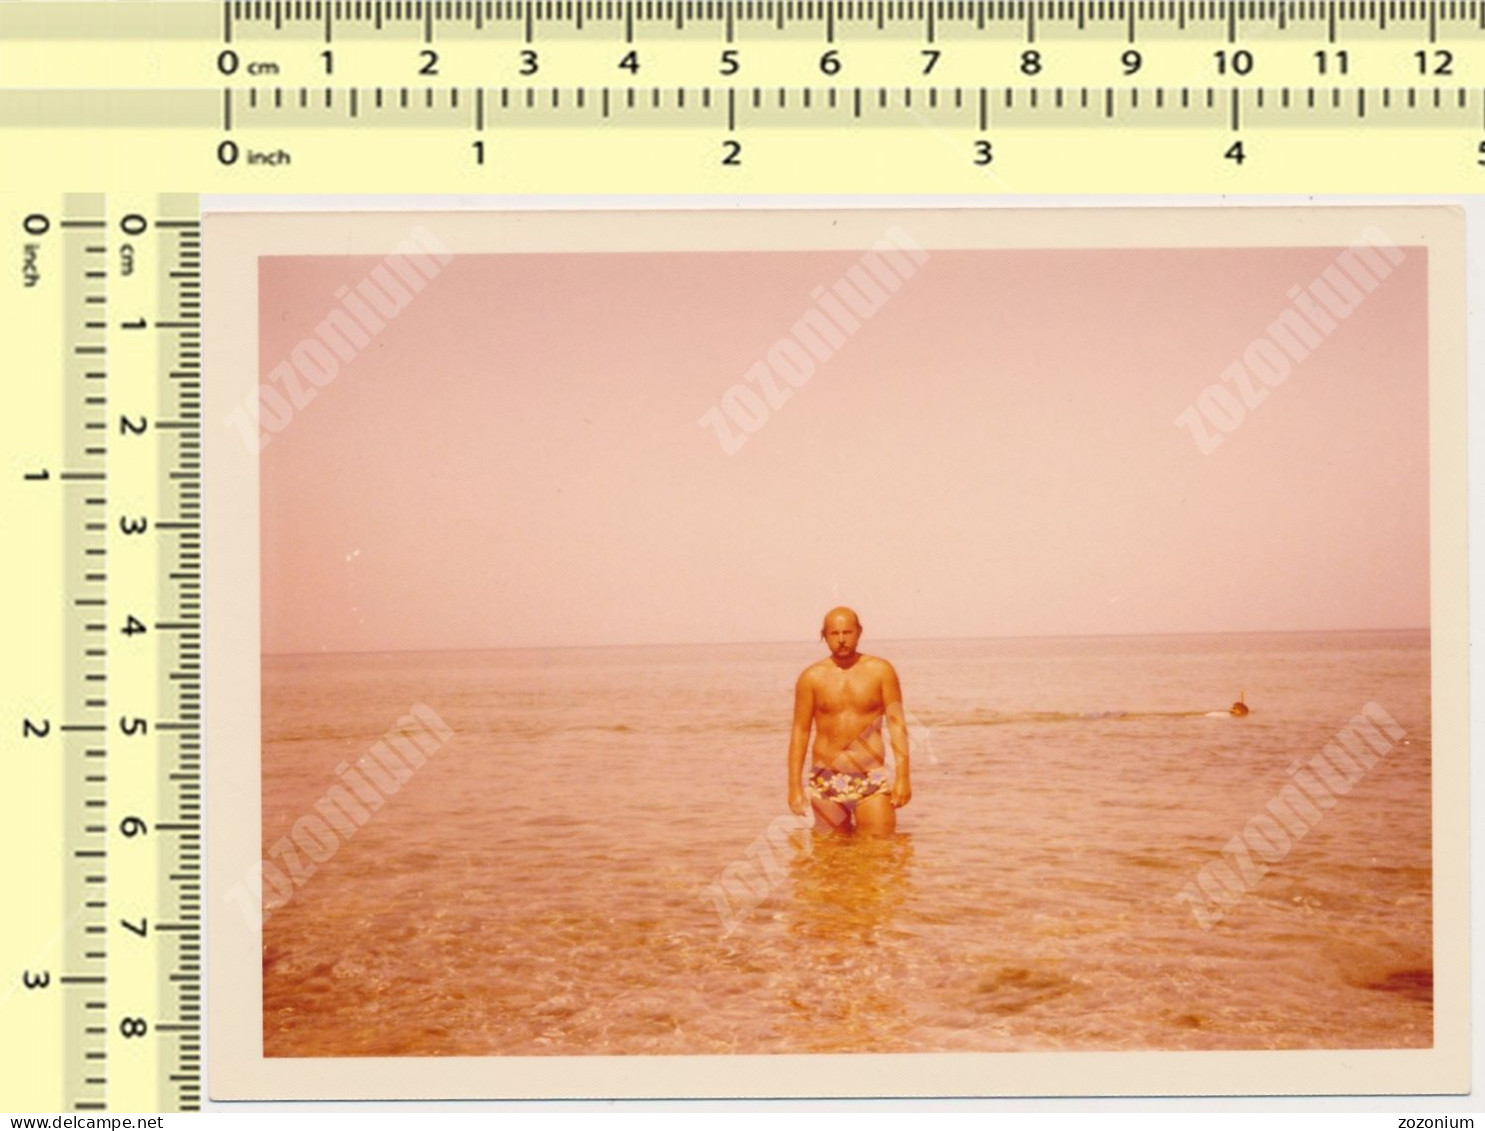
(747, 95)
(101, 493)
(108, 106)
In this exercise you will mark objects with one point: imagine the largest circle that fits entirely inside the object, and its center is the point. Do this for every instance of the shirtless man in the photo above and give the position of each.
(846, 697)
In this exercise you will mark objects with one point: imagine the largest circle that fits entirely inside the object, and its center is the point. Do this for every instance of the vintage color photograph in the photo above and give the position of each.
(893, 649)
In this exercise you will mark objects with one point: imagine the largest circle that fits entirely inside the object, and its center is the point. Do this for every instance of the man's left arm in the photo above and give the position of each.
(902, 789)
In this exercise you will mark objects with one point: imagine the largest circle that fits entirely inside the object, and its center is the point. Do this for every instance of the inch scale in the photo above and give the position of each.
(747, 95)
(101, 703)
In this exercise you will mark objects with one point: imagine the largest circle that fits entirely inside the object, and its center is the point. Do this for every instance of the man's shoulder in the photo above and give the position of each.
(866, 665)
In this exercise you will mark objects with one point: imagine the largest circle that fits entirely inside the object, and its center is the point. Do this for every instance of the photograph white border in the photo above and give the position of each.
(236, 1067)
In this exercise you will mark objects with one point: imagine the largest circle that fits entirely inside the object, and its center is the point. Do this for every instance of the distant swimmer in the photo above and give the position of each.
(846, 698)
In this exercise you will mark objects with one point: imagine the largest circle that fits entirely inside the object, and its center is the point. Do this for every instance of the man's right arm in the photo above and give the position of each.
(799, 740)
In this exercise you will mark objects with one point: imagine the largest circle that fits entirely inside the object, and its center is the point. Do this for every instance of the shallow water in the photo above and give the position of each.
(599, 859)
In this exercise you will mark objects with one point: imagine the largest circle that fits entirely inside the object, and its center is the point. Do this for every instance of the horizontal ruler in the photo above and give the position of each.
(733, 108)
(148, 44)
(733, 139)
(933, 20)
(1028, 96)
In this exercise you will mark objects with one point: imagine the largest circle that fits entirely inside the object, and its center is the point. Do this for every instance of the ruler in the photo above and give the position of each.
(747, 95)
(106, 104)
(102, 668)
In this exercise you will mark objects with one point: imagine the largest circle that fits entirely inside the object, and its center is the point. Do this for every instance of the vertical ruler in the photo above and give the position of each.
(102, 671)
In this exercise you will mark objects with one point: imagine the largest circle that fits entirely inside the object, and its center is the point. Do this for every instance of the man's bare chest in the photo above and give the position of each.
(849, 692)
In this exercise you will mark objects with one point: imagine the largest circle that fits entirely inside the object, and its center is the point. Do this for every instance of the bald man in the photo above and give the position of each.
(846, 697)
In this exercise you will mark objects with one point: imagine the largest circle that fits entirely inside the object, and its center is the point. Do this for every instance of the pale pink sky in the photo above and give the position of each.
(516, 460)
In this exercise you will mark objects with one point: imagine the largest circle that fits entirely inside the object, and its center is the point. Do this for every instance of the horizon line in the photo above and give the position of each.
(888, 639)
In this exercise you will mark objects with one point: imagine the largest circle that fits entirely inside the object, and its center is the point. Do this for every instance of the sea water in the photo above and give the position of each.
(599, 859)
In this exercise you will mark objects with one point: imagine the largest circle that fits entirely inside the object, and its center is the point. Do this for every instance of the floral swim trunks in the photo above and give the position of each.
(847, 788)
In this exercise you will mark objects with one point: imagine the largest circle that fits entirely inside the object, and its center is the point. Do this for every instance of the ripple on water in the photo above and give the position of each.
(1028, 903)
